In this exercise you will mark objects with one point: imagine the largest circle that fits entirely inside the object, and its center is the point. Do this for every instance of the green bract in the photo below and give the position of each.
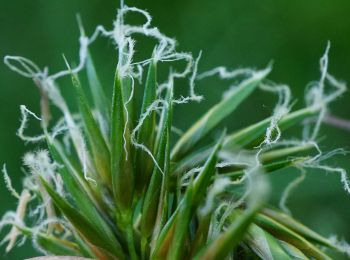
(110, 184)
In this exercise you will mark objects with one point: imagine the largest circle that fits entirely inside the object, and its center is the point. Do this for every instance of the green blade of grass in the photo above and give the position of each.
(98, 94)
(227, 241)
(280, 231)
(152, 195)
(164, 201)
(297, 227)
(292, 251)
(99, 148)
(57, 246)
(146, 133)
(101, 238)
(122, 173)
(196, 158)
(216, 114)
(83, 196)
(192, 198)
(267, 168)
(247, 135)
(51, 244)
(121, 166)
(275, 154)
(264, 245)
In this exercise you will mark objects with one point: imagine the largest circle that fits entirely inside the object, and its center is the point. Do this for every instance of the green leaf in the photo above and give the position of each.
(100, 237)
(98, 94)
(196, 158)
(247, 135)
(152, 196)
(216, 114)
(264, 245)
(297, 227)
(50, 243)
(191, 160)
(85, 199)
(164, 202)
(292, 251)
(146, 134)
(227, 241)
(100, 151)
(267, 168)
(57, 246)
(283, 233)
(121, 166)
(127, 89)
(194, 194)
(275, 154)
(122, 172)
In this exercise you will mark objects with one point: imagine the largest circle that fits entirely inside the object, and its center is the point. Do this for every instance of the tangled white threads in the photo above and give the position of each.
(85, 167)
(24, 122)
(46, 224)
(189, 175)
(40, 163)
(15, 219)
(217, 187)
(127, 116)
(218, 219)
(282, 108)
(317, 98)
(156, 105)
(193, 95)
(8, 183)
(315, 163)
(224, 73)
(289, 189)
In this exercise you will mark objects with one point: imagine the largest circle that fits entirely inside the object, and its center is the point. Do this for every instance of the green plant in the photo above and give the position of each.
(111, 186)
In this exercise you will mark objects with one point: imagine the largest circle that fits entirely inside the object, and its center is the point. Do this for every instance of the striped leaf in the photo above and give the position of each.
(283, 233)
(101, 237)
(192, 198)
(216, 114)
(99, 148)
(297, 227)
(146, 133)
(246, 136)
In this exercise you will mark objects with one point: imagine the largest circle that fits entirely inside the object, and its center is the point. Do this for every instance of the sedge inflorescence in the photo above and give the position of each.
(110, 185)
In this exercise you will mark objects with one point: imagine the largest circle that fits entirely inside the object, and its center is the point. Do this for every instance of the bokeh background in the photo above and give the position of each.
(234, 33)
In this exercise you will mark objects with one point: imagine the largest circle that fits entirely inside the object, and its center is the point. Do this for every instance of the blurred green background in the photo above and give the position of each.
(234, 33)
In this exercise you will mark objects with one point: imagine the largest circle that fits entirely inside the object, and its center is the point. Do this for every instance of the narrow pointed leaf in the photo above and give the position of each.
(150, 204)
(101, 238)
(280, 231)
(83, 196)
(264, 245)
(267, 168)
(216, 114)
(100, 151)
(192, 198)
(57, 246)
(98, 94)
(146, 133)
(227, 241)
(275, 154)
(297, 227)
(122, 174)
(293, 252)
(247, 135)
